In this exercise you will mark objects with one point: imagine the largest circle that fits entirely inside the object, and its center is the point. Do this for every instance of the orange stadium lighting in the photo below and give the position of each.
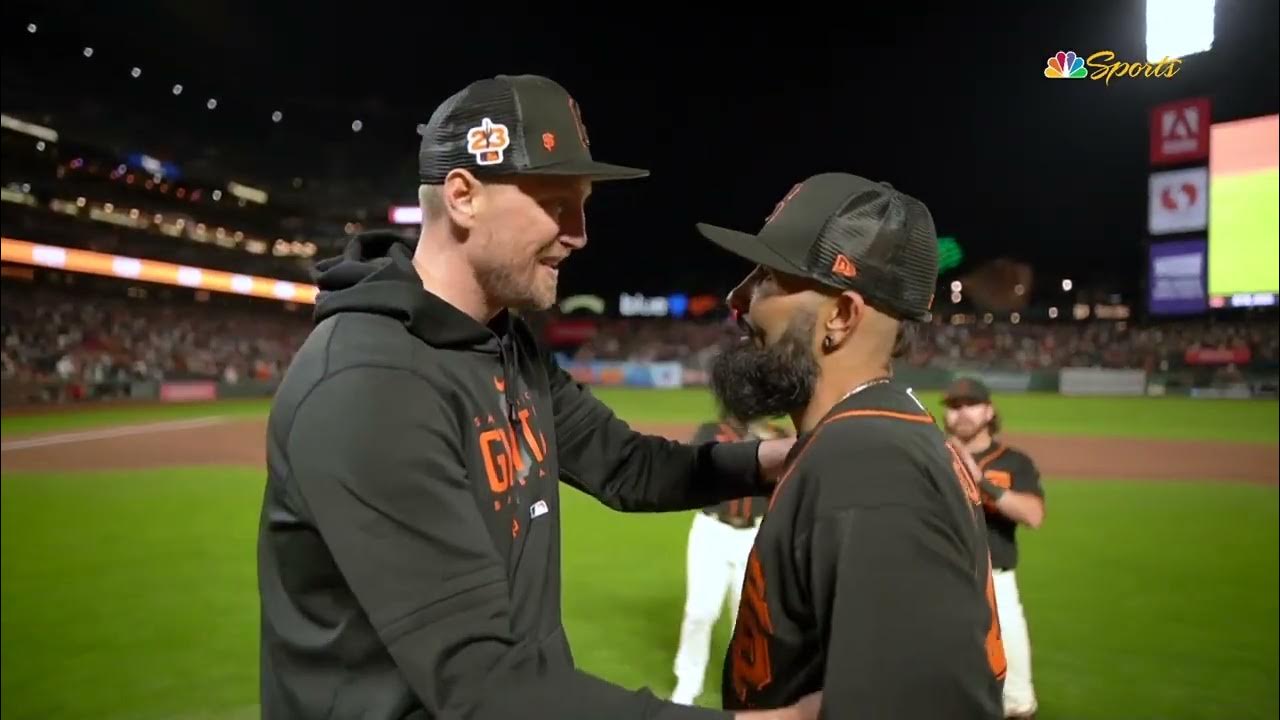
(23, 252)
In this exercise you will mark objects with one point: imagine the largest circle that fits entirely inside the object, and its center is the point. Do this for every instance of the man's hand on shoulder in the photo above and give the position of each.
(806, 709)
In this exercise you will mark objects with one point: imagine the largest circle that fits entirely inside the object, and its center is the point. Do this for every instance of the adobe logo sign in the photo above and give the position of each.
(1180, 131)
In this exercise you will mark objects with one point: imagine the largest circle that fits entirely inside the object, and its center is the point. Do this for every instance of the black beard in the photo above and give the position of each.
(754, 383)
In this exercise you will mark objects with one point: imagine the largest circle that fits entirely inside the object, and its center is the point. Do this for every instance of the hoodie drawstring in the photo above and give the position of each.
(510, 377)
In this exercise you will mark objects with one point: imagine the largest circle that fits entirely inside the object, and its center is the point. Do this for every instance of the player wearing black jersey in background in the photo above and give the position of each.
(1012, 496)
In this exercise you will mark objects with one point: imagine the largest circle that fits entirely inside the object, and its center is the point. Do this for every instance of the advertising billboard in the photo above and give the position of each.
(1176, 281)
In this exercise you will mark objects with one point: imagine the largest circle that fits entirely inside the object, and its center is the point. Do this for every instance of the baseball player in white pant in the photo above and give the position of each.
(719, 542)
(1013, 496)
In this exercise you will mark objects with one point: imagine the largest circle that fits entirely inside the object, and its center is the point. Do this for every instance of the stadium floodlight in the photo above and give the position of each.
(1053, 313)
(31, 28)
(956, 286)
(88, 52)
(1067, 285)
(357, 126)
(136, 72)
(277, 116)
(1177, 28)
(212, 104)
(405, 215)
(177, 89)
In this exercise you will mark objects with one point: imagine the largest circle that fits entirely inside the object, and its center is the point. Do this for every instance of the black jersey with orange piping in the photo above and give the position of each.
(1012, 470)
(740, 512)
(870, 577)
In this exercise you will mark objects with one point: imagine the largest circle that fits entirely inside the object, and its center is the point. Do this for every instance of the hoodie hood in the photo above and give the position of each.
(375, 274)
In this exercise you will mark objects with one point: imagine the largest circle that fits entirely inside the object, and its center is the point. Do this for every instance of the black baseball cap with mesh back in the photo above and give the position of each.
(848, 233)
(967, 391)
(512, 125)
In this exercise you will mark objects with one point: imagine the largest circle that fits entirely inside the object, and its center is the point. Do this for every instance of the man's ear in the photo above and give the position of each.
(462, 193)
(841, 318)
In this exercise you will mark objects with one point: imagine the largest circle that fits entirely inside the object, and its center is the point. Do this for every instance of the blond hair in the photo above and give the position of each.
(431, 201)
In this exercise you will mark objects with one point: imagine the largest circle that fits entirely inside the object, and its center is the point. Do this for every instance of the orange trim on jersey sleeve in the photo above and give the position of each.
(925, 419)
(984, 462)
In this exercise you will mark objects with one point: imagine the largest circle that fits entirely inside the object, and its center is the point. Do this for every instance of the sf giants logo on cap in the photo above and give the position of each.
(795, 190)
(487, 142)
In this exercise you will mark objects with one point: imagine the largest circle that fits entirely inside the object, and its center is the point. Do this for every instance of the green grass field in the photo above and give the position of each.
(132, 594)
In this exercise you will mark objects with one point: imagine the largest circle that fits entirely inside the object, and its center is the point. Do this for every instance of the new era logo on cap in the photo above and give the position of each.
(848, 233)
(512, 125)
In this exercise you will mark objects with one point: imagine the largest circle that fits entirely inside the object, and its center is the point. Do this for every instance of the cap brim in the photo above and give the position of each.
(748, 247)
(589, 169)
(966, 395)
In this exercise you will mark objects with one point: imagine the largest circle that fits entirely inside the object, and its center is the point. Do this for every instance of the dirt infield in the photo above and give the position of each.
(241, 442)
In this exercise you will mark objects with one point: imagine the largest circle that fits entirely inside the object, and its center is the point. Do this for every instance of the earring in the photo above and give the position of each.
(827, 343)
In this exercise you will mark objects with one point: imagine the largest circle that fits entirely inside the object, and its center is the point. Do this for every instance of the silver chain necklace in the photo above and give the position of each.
(864, 386)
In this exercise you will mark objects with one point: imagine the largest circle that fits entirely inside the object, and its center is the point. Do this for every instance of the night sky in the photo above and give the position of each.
(728, 113)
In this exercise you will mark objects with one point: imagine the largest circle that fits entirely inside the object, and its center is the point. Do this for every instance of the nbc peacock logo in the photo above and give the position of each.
(1065, 65)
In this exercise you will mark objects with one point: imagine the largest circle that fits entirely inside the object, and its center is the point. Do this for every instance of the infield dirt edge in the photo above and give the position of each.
(237, 442)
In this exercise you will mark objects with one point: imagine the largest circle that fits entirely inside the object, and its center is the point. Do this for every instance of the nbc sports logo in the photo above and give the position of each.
(1065, 65)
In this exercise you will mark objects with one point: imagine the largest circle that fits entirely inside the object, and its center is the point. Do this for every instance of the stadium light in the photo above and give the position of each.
(212, 104)
(31, 28)
(405, 215)
(277, 116)
(1066, 285)
(1015, 318)
(955, 297)
(177, 89)
(136, 72)
(956, 286)
(1177, 28)
(39, 132)
(1053, 313)
(88, 52)
(357, 126)
(94, 263)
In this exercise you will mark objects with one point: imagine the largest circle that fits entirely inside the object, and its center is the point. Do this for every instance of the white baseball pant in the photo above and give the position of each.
(1019, 694)
(715, 567)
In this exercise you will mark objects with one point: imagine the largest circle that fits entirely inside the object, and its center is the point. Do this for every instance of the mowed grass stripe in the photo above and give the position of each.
(1172, 418)
(62, 419)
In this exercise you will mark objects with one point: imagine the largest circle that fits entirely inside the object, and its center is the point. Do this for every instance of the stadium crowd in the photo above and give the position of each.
(65, 348)
(999, 345)
(71, 348)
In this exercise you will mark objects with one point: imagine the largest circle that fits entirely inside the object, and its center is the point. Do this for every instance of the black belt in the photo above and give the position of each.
(740, 523)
